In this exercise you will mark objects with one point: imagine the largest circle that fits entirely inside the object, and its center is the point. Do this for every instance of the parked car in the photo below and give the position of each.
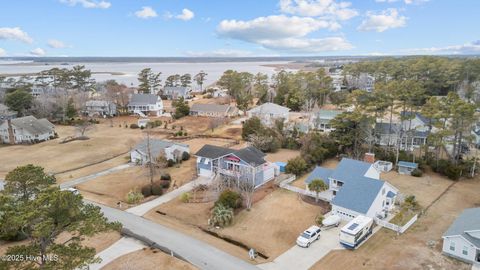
(73, 190)
(309, 236)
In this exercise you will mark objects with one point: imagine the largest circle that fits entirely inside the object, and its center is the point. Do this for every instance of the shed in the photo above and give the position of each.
(405, 167)
(281, 166)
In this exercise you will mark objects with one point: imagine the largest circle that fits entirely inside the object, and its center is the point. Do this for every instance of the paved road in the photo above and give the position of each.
(84, 179)
(200, 254)
(143, 208)
(303, 258)
(123, 246)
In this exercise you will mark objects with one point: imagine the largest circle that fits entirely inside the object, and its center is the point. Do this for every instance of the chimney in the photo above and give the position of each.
(369, 157)
(11, 136)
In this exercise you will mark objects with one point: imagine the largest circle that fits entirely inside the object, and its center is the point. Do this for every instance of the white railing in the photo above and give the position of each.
(394, 227)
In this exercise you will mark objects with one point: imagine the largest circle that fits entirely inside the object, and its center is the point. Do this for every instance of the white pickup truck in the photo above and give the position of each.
(309, 236)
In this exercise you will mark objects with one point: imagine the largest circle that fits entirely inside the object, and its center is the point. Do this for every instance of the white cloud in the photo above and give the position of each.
(386, 19)
(408, 2)
(15, 33)
(467, 48)
(315, 8)
(38, 52)
(3, 52)
(271, 27)
(88, 3)
(146, 13)
(186, 15)
(308, 45)
(220, 53)
(56, 44)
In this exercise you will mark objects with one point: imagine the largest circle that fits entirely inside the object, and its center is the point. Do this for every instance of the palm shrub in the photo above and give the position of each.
(185, 197)
(319, 219)
(221, 216)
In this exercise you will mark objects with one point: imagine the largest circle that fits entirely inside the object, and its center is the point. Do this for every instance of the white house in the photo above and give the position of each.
(355, 188)
(246, 164)
(321, 120)
(269, 113)
(462, 239)
(6, 113)
(145, 104)
(27, 129)
(174, 92)
(100, 108)
(169, 150)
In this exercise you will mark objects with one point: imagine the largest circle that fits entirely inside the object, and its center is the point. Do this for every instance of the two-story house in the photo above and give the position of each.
(268, 113)
(27, 130)
(321, 120)
(355, 188)
(174, 92)
(247, 164)
(6, 113)
(145, 104)
(100, 108)
(462, 239)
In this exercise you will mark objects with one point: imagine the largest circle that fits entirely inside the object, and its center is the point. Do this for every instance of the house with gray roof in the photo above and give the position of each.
(389, 135)
(462, 239)
(321, 120)
(26, 130)
(174, 92)
(157, 148)
(268, 113)
(247, 164)
(100, 108)
(355, 188)
(145, 104)
(6, 113)
(213, 110)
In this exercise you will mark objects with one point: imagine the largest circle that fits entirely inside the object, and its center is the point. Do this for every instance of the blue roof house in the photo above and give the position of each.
(355, 188)
(405, 167)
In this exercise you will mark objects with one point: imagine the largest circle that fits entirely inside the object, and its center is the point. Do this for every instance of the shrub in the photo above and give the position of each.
(453, 172)
(185, 156)
(296, 166)
(417, 173)
(170, 163)
(142, 127)
(185, 133)
(157, 189)
(230, 199)
(165, 176)
(165, 184)
(134, 197)
(410, 203)
(146, 191)
(319, 219)
(133, 126)
(221, 216)
(185, 197)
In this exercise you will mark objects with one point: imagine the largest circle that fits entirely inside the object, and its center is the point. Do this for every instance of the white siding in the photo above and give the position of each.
(459, 244)
(380, 201)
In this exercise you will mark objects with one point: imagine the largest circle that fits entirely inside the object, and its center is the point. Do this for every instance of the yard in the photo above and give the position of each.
(282, 155)
(386, 250)
(270, 227)
(148, 259)
(105, 142)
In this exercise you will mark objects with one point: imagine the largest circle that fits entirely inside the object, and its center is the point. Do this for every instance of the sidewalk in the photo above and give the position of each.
(87, 178)
(143, 208)
(121, 247)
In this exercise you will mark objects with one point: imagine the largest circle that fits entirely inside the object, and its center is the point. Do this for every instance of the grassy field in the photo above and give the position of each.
(148, 259)
(386, 250)
(271, 226)
(105, 142)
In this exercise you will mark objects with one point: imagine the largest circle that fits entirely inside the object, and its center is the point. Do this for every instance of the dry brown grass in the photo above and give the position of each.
(148, 259)
(282, 155)
(104, 142)
(385, 250)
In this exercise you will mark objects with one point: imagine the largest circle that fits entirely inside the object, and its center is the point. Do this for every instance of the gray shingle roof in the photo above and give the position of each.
(270, 108)
(178, 90)
(358, 191)
(156, 146)
(384, 128)
(97, 103)
(32, 125)
(468, 220)
(215, 108)
(143, 99)
(422, 118)
(250, 154)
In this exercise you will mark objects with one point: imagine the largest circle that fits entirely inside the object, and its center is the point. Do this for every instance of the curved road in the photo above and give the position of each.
(200, 254)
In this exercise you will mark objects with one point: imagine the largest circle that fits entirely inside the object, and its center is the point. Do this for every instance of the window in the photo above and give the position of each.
(452, 246)
(465, 250)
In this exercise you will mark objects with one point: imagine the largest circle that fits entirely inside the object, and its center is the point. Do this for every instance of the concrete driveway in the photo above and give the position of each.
(121, 247)
(299, 258)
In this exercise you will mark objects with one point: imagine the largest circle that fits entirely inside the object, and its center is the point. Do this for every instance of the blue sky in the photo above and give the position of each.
(238, 27)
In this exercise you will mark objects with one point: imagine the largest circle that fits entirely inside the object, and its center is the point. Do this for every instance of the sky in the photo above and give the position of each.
(238, 28)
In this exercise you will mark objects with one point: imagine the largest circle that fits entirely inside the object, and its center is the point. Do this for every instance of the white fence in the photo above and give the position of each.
(285, 183)
(394, 227)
